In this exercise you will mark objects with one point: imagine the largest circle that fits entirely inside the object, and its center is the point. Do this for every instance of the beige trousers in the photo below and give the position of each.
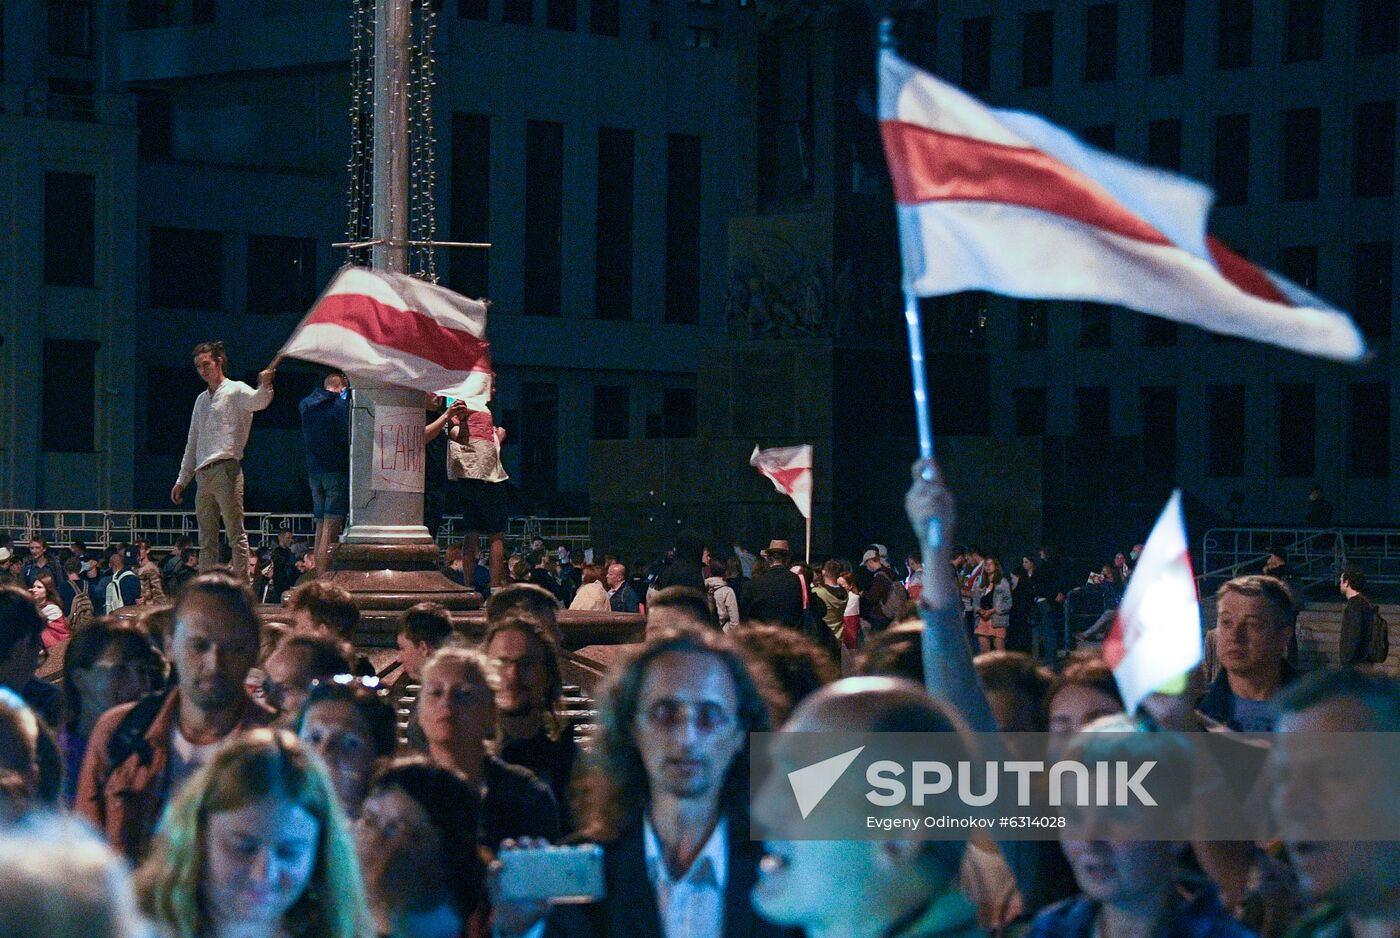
(220, 494)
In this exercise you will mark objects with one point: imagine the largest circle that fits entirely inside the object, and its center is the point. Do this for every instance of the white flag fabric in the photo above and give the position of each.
(1007, 202)
(393, 328)
(1156, 636)
(790, 469)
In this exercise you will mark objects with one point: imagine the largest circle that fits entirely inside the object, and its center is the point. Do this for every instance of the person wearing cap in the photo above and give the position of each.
(775, 595)
(873, 599)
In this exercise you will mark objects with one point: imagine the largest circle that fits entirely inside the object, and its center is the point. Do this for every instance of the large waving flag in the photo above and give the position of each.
(1156, 637)
(790, 469)
(393, 328)
(1007, 202)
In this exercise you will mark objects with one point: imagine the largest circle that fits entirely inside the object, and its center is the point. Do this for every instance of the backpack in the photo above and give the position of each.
(893, 606)
(129, 738)
(114, 591)
(1378, 642)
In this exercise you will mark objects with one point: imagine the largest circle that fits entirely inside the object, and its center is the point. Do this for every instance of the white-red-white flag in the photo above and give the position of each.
(790, 469)
(393, 328)
(1156, 636)
(1007, 202)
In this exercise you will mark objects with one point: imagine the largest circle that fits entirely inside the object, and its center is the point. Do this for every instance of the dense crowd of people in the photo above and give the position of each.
(203, 768)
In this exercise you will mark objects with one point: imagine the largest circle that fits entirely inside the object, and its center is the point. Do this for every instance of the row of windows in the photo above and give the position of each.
(187, 266)
(1304, 21)
(1295, 449)
(604, 17)
(1373, 125)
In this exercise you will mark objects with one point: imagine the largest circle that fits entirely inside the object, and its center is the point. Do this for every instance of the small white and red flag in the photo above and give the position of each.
(790, 469)
(1007, 202)
(393, 328)
(1156, 636)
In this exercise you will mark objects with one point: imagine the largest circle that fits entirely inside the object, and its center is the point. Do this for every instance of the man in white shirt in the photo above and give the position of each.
(668, 799)
(219, 427)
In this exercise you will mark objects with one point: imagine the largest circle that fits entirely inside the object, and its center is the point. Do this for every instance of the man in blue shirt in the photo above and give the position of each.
(325, 425)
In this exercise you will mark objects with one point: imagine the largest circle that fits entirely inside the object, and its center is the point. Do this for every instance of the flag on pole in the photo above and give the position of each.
(790, 469)
(1156, 636)
(1008, 202)
(393, 328)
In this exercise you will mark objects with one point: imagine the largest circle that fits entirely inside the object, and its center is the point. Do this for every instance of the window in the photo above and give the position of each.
(1371, 288)
(1377, 27)
(1302, 153)
(1373, 150)
(1095, 325)
(72, 99)
(1093, 413)
(470, 206)
(1225, 430)
(1297, 430)
(1158, 332)
(473, 9)
(186, 269)
(1031, 411)
(1299, 264)
(1164, 143)
(1302, 31)
(977, 54)
(154, 123)
(1231, 159)
(1038, 49)
(682, 228)
(1370, 430)
(678, 413)
(1234, 37)
(70, 237)
(518, 11)
(957, 322)
(1032, 324)
(170, 394)
(148, 14)
(1159, 430)
(1101, 42)
(69, 402)
(1102, 136)
(544, 217)
(611, 412)
(700, 37)
(561, 15)
(202, 12)
(605, 18)
(539, 441)
(281, 275)
(612, 280)
(1167, 51)
(70, 28)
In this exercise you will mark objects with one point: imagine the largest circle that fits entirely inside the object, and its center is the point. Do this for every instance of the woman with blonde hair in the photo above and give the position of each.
(256, 846)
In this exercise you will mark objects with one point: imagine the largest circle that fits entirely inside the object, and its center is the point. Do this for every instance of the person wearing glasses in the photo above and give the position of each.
(423, 869)
(457, 711)
(108, 663)
(294, 664)
(349, 722)
(534, 733)
(667, 797)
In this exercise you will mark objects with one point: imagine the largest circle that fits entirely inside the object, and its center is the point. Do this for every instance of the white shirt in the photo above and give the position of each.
(692, 904)
(186, 758)
(219, 425)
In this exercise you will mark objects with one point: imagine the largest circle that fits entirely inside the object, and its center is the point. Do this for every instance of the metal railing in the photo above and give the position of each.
(163, 528)
(1315, 555)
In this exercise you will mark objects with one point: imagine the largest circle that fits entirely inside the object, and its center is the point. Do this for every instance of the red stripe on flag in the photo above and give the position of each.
(927, 165)
(787, 478)
(405, 330)
(1243, 274)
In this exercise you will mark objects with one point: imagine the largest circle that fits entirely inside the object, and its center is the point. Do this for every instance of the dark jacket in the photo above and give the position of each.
(325, 426)
(517, 804)
(775, 595)
(1358, 618)
(552, 761)
(625, 599)
(1219, 703)
(630, 909)
(681, 572)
